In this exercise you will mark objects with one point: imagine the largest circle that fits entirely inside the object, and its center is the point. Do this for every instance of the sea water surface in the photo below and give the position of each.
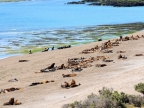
(43, 22)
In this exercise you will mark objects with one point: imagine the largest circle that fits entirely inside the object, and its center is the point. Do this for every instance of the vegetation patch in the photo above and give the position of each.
(140, 88)
(108, 98)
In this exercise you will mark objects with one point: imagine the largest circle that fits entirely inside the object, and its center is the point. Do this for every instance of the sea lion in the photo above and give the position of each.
(68, 75)
(100, 65)
(11, 102)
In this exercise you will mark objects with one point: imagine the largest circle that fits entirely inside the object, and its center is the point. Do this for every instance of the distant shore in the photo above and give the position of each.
(115, 3)
(11, 0)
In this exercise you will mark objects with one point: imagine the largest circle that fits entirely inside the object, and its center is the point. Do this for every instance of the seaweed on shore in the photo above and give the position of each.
(72, 37)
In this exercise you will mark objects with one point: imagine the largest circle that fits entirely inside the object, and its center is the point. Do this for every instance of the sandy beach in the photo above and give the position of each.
(121, 75)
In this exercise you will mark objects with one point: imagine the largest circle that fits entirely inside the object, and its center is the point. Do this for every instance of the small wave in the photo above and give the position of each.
(3, 56)
(10, 33)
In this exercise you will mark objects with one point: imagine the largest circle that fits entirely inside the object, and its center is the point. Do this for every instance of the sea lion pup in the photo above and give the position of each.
(46, 70)
(94, 58)
(121, 51)
(43, 70)
(17, 103)
(35, 83)
(100, 39)
(107, 51)
(30, 52)
(52, 81)
(69, 46)
(5, 91)
(66, 85)
(23, 60)
(131, 37)
(126, 38)
(52, 48)
(96, 48)
(105, 60)
(102, 57)
(85, 52)
(137, 36)
(69, 75)
(12, 80)
(2, 91)
(73, 83)
(121, 38)
(86, 65)
(78, 68)
(45, 81)
(139, 55)
(61, 67)
(115, 43)
(100, 65)
(46, 49)
(75, 60)
(121, 57)
(102, 47)
(12, 89)
(11, 102)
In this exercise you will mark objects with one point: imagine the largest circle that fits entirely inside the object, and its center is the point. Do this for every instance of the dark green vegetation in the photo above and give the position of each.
(140, 88)
(108, 98)
(38, 40)
(117, 3)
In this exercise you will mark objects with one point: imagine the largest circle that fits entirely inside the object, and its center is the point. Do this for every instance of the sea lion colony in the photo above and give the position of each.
(77, 64)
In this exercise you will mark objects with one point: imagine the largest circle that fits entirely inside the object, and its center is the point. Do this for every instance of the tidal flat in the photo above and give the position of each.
(38, 40)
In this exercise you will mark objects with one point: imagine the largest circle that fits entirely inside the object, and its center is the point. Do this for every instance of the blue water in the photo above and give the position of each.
(38, 15)
(19, 20)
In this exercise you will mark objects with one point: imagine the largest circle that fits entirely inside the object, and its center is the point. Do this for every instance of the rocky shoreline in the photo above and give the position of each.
(115, 3)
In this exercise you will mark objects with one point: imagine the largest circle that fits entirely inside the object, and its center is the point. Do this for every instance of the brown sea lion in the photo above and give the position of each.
(69, 75)
(17, 103)
(139, 55)
(100, 65)
(11, 102)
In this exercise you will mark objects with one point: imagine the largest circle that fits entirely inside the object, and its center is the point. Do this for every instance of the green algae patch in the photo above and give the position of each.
(37, 41)
(33, 49)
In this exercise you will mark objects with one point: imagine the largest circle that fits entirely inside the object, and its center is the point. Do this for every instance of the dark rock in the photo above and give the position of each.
(76, 2)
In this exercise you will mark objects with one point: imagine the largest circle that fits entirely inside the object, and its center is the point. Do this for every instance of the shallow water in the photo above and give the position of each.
(47, 23)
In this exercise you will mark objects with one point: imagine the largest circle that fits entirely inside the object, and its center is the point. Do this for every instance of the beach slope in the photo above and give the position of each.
(120, 74)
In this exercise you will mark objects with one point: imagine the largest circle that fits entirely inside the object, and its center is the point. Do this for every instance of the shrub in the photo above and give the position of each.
(140, 88)
(137, 101)
(108, 98)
